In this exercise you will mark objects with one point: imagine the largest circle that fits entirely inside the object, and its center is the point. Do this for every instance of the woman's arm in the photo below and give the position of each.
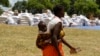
(66, 43)
(72, 49)
(55, 33)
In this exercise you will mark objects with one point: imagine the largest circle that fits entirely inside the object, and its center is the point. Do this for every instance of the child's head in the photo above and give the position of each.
(42, 26)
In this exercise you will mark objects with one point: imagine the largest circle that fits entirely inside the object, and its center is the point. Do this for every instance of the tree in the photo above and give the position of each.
(71, 6)
(20, 5)
(98, 2)
(35, 6)
(4, 3)
(85, 6)
(1, 11)
(47, 3)
(66, 4)
(71, 9)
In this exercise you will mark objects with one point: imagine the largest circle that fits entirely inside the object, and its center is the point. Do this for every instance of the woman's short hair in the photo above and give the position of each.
(57, 8)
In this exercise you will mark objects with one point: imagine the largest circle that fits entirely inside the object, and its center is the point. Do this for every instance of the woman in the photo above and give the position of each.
(56, 34)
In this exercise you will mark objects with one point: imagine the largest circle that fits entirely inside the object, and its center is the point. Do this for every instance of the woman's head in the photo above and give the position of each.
(58, 10)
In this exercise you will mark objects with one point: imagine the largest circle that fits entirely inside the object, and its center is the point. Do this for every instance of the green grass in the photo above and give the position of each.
(20, 41)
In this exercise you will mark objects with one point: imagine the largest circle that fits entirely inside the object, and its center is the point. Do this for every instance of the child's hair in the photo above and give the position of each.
(42, 26)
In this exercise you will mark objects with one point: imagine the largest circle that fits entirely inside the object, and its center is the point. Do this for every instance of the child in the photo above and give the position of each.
(43, 37)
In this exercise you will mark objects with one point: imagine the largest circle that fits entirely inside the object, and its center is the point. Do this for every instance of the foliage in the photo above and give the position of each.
(34, 6)
(20, 5)
(98, 2)
(66, 4)
(47, 4)
(98, 11)
(4, 3)
(84, 6)
(1, 11)
(71, 6)
(71, 9)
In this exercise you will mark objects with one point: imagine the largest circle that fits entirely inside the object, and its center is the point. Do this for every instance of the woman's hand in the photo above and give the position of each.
(74, 50)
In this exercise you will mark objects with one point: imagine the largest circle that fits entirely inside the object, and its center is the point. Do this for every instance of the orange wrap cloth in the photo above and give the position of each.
(51, 51)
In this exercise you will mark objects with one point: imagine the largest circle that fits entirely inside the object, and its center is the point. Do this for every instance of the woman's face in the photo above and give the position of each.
(61, 13)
